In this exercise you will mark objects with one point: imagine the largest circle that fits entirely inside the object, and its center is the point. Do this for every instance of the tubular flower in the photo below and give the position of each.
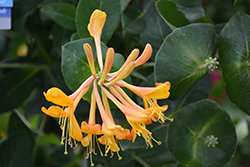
(150, 97)
(67, 120)
(108, 86)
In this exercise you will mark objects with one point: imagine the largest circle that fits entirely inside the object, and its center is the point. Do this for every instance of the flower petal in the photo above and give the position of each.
(58, 97)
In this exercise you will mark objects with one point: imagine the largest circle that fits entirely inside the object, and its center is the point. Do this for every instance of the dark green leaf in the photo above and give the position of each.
(234, 47)
(155, 34)
(16, 86)
(170, 13)
(62, 13)
(75, 67)
(187, 135)
(85, 9)
(21, 10)
(132, 20)
(16, 150)
(60, 36)
(181, 55)
(124, 4)
(191, 8)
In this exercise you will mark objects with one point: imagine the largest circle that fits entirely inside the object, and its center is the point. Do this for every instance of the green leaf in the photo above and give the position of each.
(60, 36)
(124, 4)
(16, 86)
(86, 7)
(21, 10)
(17, 147)
(234, 47)
(75, 67)
(181, 55)
(189, 130)
(132, 20)
(155, 28)
(237, 2)
(62, 13)
(191, 8)
(170, 13)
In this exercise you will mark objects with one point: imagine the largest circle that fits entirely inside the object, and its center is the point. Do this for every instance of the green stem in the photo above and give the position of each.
(24, 66)
(138, 159)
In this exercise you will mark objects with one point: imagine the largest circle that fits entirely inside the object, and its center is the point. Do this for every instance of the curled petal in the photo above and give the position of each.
(55, 111)
(160, 92)
(144, 56)
(57, 96)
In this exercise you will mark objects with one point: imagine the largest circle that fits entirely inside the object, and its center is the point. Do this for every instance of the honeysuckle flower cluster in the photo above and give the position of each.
(110, 88)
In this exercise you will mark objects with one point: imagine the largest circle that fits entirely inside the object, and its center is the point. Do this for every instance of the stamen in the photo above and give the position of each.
(119, 157)
(98, 145)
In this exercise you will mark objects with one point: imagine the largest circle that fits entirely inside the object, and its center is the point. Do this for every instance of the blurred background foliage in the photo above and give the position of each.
(30, 63)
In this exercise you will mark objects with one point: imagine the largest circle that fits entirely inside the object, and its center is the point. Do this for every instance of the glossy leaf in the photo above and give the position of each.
(85, 9)
(182, 54)
(75, 67)
(234, 47)
(191, 8)
(156, 34)
(62, 13)
(171, 14)
(187, 135)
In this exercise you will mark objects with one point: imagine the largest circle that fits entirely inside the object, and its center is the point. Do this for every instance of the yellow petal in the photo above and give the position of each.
(96, 23)
(76, 130)
(160, 92)
(86, 140)
(55, 111)
(57, 96)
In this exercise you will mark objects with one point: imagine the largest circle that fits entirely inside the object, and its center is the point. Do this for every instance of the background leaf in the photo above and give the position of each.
(191, 8)
(16, 149)
(170, 13)
(16, 86)
(181, 55)
(186, 135)
(234, 47)
(62, 13)
(85, 9)
(21, 10)
(156, 34)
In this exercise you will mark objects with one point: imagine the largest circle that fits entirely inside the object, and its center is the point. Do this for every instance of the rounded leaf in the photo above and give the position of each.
(234, 44)
(191, 128)
(182, 54)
